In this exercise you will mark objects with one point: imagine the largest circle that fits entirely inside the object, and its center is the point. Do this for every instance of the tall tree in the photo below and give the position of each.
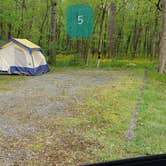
(120, 31)
(53, 32)
(23, 8)
(162, 57)
(112, 29)
(43, 22)
(102, 21)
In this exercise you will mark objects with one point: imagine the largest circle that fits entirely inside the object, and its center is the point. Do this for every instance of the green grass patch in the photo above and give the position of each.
(6, 80)
(111, 113)
(65, 62)
(151, 130)
(106, 114)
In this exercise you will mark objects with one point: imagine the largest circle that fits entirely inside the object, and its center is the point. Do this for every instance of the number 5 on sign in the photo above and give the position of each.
(80, 21)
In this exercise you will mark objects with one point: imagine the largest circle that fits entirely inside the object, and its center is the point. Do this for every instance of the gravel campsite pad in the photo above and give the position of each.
(32, 115)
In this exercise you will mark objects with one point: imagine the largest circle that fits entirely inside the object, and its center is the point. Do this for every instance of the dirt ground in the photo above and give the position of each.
(29, 134)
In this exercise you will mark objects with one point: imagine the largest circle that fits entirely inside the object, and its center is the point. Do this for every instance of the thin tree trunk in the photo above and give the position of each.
(94, 38)
(1, 30)
(155, 34)
(112, 30)
(9, 31)
(145, 40)
(136, 38)
(105, 46)
(162, 57)
(53, 32)
(102, 28)
(138, 35)
(42, 24)
(23, 7)
(128, 44)
(120, 33)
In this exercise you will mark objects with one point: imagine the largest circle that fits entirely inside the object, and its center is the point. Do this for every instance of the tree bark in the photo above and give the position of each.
(1, 30)
(53, 32)
(21, 27)
(9, 31)
(121, 30)
(102, 22)
(155, 33)
(136, 41)
(112, 30)
(162, 57)
(128, 44)
(145, 44)
(42, 24)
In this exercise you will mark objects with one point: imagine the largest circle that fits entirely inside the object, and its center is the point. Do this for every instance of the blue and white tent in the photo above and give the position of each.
(20, 56)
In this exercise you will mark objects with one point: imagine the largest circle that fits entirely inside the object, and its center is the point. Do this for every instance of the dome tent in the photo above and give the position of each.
(20, 56)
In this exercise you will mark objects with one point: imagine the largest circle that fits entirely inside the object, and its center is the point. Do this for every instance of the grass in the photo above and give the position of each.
(151, 131)
(73, 61)
(107, 112)
(5, 81)
(96, 130)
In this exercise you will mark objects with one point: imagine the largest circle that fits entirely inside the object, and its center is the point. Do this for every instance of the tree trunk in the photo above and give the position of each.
(1, 30)
(9, 31)
(53, 32)
(102, 22)
(121, 30)
(155, 33)
(42, 24)
(145, 47)
(112, 30)
(136, 41)
(128, 44)
(105, 46)
(21, 27)
(162, 57)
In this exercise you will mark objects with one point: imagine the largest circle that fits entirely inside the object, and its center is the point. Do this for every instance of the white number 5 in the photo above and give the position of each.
(80, 20)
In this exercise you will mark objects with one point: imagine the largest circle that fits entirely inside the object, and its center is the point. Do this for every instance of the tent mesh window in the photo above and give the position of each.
(20, 58)
(38, 58)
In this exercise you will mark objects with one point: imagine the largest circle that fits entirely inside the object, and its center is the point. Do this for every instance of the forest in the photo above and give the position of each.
(122, 28)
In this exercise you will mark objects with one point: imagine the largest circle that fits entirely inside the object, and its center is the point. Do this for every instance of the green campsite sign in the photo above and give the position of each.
(80, 21)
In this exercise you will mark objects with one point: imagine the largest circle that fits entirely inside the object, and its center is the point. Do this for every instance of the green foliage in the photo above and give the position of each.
(32, 21)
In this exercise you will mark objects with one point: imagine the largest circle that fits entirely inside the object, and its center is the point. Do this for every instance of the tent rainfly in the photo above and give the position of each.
(20, 56)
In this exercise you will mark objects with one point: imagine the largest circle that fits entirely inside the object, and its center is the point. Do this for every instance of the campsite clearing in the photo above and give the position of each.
(74, 117)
